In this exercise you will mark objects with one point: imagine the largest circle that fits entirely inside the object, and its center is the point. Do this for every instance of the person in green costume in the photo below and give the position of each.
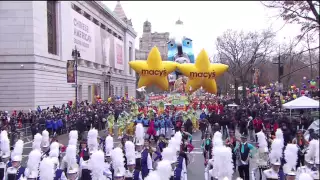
(110, 120)
(121, 125)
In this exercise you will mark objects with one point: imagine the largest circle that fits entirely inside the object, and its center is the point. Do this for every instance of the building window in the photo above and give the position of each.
(130, 57)
(126, 89)
(95, 21)
(116, 91)
(103, 26)
(89, 94)
(121, 92)
(119, 37)
(76, 8)
(87, 15)
(52, 27)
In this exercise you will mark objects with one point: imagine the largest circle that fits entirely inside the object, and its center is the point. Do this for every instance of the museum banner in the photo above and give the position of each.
(118, 54)
(71, 76)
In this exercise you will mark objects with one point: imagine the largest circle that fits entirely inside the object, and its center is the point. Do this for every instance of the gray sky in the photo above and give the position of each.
(205, 21)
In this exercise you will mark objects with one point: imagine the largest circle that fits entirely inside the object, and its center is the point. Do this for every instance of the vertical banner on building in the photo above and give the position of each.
(118, 54)
(71, 76)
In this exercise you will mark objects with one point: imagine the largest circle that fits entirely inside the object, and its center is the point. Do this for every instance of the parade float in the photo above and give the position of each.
(180, 75)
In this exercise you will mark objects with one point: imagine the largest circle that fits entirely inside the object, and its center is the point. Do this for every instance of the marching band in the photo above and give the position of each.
(137, 160)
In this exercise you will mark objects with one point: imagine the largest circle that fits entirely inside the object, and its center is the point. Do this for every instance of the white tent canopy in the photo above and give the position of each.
(302, 102)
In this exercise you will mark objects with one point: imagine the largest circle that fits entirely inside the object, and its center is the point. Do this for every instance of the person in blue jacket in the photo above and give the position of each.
(145, 123)
(49, 125)
(169, 127)
(138, 120)
(162, 126)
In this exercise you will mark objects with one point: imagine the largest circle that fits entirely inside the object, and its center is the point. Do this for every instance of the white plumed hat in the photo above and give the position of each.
(33, 163)
(291, 157)
(5, 144)
(109, 145)
(276, 152)
(153, 175)
(118, 162)
(222, 162)
(46, 169)
(139, 134)
(93, 140)
(311, 151)
(262, 142)
(305, 176)
(16, 154)
(164, 169)
(97, 165)
(130, 153)
(36, 144)
(45, 139)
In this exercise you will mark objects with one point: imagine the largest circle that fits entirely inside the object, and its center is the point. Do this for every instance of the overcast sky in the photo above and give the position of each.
(204, 21)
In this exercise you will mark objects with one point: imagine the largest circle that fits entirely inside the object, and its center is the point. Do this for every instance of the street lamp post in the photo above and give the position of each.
(76, 56)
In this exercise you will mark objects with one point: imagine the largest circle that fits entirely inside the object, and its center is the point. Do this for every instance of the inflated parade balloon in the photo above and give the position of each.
(202, 73)
(153, 70)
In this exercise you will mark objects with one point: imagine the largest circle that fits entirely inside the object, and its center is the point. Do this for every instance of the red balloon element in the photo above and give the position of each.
(312, 86)
(302, 92)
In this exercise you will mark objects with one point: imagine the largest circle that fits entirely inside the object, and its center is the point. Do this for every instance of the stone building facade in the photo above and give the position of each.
(37, 39)
(148, 40)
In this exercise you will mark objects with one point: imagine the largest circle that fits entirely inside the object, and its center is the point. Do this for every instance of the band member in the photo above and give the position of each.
(54, 156)
(162, 143)
(291, 158)
(263, 152)
(231, 142)
(206, 145)
(16, 170)
(309, 158)
(275, 160)
(131, 173)
(70, 159)
(245, 150)
(5, 154)
(97, 166)
(32, 170)
(108, 148)
(143, 158)
(72, 166)
(46, 170)
(118, 164)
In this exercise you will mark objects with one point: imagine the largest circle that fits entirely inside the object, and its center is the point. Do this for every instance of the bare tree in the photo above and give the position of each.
(308, 40)
(242, 52)
(305, 13)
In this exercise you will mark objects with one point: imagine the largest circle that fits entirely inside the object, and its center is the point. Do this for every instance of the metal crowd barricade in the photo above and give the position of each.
(25, 130)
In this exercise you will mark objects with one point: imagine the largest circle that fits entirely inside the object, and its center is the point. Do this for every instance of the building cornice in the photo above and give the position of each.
(121, 23)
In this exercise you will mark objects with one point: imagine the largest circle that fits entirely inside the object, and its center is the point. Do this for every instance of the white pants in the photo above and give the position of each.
(168, 133)
(162, 131)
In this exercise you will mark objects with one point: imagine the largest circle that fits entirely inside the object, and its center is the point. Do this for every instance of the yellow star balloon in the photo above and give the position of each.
(202, 73)
(153, 70)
